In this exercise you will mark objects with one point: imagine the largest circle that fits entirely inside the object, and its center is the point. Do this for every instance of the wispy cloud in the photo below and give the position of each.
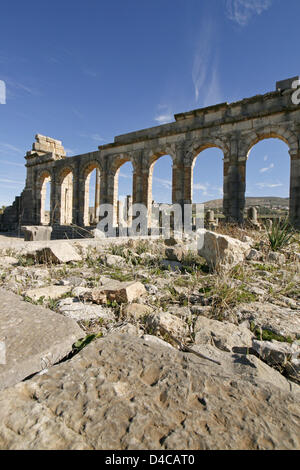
(8, 162)
(213, 94)
(205, 74)
(18, 86)
(89, 72)
(269, 185)
(4, 148)
(70, 152)
(9, 181)
(77, 113)
(164, 182)
(123, 175)
(164, 118)
(268, 168)
(266, 158)
(241, 11)
(96, 137)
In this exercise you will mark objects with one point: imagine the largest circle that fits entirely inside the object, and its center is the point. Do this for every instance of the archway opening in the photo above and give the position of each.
(45, 195)
(268, 178)
(92, 194)
(208, 181)
(66, 203)
(123, 194)
(160, 184)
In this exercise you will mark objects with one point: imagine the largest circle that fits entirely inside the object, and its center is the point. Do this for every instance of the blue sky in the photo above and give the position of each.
(85, 71)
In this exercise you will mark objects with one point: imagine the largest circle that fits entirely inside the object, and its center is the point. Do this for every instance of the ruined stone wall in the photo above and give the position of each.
(234, 128)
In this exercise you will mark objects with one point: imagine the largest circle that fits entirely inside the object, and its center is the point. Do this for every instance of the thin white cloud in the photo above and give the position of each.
(89, 72)
(2, 92)
(164, 182)
(96, 137)
(205, 74)
(164, 118)
(123, 175)
(4, 148)
(268, 168)
(22, 87)
(9, 181)
(213, 95)
(7, 162)
(269, 185)
(241, 11)
(202, 57)
(77, 113)
(266, 158)
(70, 152)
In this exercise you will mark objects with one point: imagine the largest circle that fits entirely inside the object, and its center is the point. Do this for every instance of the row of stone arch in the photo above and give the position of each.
(64, 204)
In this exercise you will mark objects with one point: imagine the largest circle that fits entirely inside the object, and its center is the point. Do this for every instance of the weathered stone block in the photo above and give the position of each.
(36, 233)
(35, 338)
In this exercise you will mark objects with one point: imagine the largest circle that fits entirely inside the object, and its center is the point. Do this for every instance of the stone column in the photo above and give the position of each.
(97, 196)
(54, 199)
(234, 186)
(76, 195)
(128, 210)
(295, 190)
(178, 175)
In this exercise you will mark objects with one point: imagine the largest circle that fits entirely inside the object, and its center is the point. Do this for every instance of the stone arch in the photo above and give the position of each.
(197, 147)
(66, 196)
(271, 132)
(86, 172)
(113, 183)
(44, 177)
(153, 156)
(193, 152)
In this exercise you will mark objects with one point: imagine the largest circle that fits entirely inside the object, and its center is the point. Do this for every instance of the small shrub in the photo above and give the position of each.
(280, 235)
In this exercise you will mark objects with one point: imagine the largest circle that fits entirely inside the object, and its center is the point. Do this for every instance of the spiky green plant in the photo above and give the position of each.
(280, 234)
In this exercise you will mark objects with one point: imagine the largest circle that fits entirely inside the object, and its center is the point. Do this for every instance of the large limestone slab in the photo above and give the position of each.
(123, 392)
(34, 338)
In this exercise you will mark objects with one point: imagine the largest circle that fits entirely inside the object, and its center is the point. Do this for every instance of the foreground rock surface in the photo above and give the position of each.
(123, 392)
(35, 338)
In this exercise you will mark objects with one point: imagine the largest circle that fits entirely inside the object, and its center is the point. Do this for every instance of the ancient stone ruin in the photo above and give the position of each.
(234, 128)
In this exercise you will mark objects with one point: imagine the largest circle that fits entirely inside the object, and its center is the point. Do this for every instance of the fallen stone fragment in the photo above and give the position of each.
(49, 292)
(276, 353)
(34, 337)
(71, 308)
(224, 335)
(174, 325)
(280, 320)
(247, 367)
(36, 233)
(121, 292)
(8, 261)
(254, 255)
(113, 261)
(277, 258)
(136, 394)
(175, 253)
(137, 311)
(221, 251)
(55, 252)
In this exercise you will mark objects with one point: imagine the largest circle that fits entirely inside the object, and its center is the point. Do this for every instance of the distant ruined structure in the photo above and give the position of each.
(234, 128)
